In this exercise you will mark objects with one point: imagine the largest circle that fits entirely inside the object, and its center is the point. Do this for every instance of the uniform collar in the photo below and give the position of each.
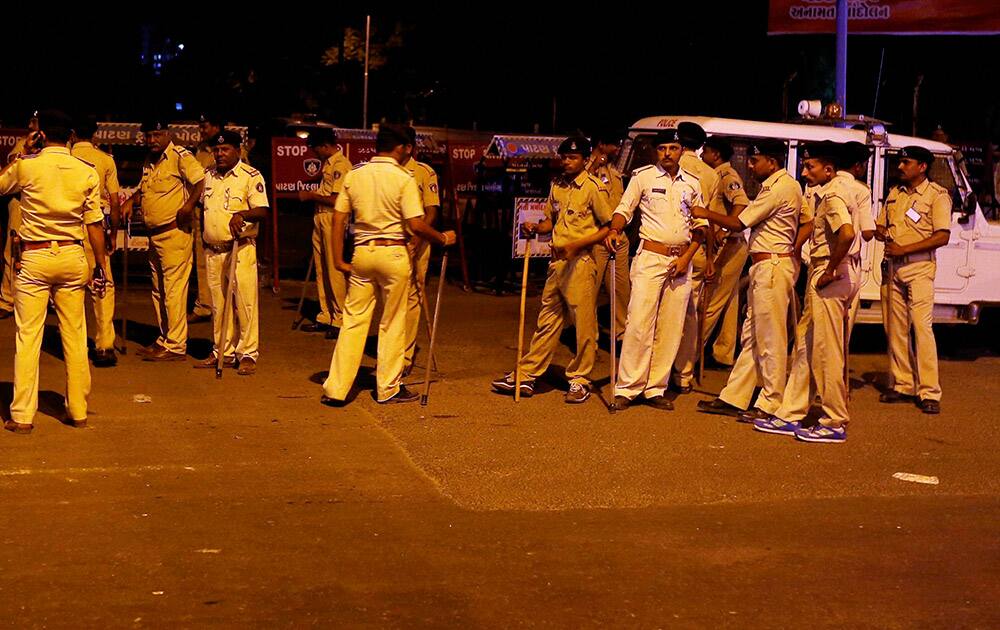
(166, 151)
(773, 177)
(662, 172)
(56, 149)
(919, 188)
(577, 182)
(845, 175)
(232, 171)
(725, 166)
(84, 143)
(388, 160)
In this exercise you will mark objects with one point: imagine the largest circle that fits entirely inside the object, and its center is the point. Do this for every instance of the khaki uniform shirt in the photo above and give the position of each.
(239, 189)
(832, 213)
(665, 202)
(383, 196)
(611, 177)
(59, 195)
(335, 168)
(164, 184)
(427, 182)
(577, 208)
(773, 216)
(731, 187)
(710, 194)
(104, 164)
(859, 201)
(915, 214)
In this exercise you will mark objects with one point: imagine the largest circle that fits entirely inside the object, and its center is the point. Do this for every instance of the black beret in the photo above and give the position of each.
(691, 134)
(575, 144)
(769, 148)
(666, 136)
(919, 154)
(154, 124)
(854, 152)
(226, 136)
(824, 150)
(321, 135)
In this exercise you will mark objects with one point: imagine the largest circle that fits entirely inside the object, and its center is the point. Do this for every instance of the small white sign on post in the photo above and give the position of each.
(530, 210)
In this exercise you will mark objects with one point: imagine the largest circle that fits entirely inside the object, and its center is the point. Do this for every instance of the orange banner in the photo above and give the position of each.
(888, 17)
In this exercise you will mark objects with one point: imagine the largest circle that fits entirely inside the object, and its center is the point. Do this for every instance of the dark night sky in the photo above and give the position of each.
(501, 72)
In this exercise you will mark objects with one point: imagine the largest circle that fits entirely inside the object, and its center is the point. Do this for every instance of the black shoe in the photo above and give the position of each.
(712, 364)
(18, 427)
(719, 407)
(894, 397)
(5, 314)
(105, 358)
(332, 332)
(620, 404)
(314, 327)
(928, 406)
(332, 402)
(682, 389)
(402, 396)
(661, 402)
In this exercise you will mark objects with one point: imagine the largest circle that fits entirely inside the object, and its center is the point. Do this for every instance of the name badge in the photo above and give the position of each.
(914, 215)
(662, 191)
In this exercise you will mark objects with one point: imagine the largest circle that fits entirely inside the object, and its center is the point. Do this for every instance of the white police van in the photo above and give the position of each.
(968, 268)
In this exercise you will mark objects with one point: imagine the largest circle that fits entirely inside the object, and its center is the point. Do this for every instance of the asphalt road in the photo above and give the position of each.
(244, 502)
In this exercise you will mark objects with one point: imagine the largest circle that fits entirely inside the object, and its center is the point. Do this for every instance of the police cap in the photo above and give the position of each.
(321, 135)
(854, 152)
(919, 154)
(692, 135)
(575, 144)
(154, 123)
(226, 136)
(666, 136)
(774, 149)
(825, 150)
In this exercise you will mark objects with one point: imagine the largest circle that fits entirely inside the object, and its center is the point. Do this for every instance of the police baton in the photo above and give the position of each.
(520, 320)
(220, 342)
(302, 297)
(434, 328)
(610, 268)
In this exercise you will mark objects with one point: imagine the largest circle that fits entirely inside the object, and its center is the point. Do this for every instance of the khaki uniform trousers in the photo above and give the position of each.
(418, 289)
(569, 296)
(724, 304)
(764, 357)
(799, 388)
(656, 314)
(331, 285)
(170, 261)
(242, 341)
(62, 273)
(7, 285)
(382, 274)
(687, 353)
(104, 307)
(911, 299)
(622, 286)
(825, 339)
(203, 305)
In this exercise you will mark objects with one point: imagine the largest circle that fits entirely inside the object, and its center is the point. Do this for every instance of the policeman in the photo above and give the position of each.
(661, 270)
(601, 165)
(853, 175)
(914, 222)
(773, 218)
(235, 203)
(209, 126)
(60, 206)
(420, 250)
(331, 285)
(692, 137)
(834, 278)
(386, 204)
(172, 183)
(576, 214)
(13, 223)
(107, 176)
(732, 253)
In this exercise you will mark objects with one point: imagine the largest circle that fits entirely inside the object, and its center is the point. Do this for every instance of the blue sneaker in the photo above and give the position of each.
(822, 434)
(777, 426)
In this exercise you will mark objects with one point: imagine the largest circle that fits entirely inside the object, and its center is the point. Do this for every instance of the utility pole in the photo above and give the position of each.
(368, 36)
(841, 69)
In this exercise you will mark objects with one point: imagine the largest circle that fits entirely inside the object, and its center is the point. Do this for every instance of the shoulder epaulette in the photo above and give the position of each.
(358, 165)
(249, 170)
(641, 169)
(938, 187)
(181, 151)
(687, 172)
(84, 161)
(427, 167)
(408, 173)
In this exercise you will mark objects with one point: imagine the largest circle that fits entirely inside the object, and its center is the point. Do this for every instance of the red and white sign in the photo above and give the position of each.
(888, 17)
